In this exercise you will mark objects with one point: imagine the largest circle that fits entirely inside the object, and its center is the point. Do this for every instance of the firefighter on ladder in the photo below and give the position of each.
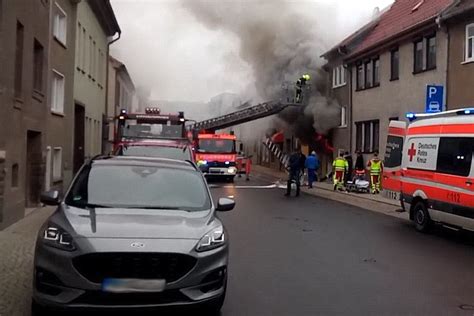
(300, 84)
(375, 170)
(340, 167)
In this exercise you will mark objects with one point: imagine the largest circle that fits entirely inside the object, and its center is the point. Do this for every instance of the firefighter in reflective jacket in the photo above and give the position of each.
(375, 170)
(340, 167)
(300, 84)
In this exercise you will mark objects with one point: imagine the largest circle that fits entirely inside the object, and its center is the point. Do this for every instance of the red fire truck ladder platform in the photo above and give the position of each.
(242, 116)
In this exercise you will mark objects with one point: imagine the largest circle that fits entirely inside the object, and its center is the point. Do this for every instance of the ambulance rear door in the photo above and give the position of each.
(393, 159)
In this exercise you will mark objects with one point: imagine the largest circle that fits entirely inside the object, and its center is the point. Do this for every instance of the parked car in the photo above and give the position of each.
(132, 233)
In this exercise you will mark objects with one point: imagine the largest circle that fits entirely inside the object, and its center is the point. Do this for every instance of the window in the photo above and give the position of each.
(15, 175)
(418, 61)
(19, 59)
(91, 57)
(394, 64)
(338, 76)
(455, 155)
(393, 151)
(367, 136)
(60, 25)
(431, 52)
(358, 136)
(84, 50)
(368, 74)
(79, 45)
(343, 117)
(38, 57)
(57, 163)
(94, 61)
(360, 77)
(57, 93)
(376, 72)
(470, 42)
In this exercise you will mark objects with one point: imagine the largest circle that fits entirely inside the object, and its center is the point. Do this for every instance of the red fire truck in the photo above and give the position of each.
(216, 155)
(152, 134)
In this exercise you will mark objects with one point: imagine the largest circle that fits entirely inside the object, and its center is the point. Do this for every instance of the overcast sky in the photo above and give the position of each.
(167, 49)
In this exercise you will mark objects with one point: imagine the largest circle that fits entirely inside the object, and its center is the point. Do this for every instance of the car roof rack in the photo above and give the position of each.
(464, 111)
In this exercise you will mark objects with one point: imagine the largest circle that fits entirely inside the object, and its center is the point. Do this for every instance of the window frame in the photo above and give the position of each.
(467, 38)
(58, 22)
(360, 84)
(339, 77)
(427, 53)
(54, 109)
(19, 65)
(368, 75)
(374, 62)
(415, 44)
(392, 54)
(362, 138)
(57, 172)
(343, 123)
(38, 61)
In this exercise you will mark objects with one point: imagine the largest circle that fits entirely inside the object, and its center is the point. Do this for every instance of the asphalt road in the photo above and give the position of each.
(305, 256)
(311, 256)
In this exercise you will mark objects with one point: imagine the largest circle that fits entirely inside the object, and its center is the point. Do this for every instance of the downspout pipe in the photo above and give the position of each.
(107, 114)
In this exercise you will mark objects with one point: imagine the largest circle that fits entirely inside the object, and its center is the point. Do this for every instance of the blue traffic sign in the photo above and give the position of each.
(434, 99)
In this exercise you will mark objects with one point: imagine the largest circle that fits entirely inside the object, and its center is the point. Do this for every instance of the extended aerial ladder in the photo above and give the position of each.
(242, 116)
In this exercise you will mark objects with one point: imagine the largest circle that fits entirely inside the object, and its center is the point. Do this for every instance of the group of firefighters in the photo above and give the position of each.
(342, 170)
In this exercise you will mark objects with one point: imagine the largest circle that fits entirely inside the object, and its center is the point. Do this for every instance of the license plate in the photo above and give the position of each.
(392, 195)
(132, 285)
(215, 171)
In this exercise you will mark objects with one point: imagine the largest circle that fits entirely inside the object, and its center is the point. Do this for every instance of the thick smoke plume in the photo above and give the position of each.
(280, 43)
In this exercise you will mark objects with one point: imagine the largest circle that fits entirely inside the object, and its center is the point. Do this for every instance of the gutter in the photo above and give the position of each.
(107, 87)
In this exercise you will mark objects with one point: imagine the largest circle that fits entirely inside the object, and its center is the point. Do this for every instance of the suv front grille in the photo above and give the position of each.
(169, 266)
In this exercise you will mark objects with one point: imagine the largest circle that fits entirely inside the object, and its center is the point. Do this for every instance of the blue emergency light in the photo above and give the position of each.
(413, 116)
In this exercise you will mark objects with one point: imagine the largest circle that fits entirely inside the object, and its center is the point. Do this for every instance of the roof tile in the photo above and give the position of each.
(400, 18)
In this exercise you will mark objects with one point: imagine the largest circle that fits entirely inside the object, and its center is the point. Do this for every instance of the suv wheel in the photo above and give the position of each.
(421, 217)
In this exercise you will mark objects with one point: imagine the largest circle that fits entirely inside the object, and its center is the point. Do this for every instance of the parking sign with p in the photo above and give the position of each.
(434, 99)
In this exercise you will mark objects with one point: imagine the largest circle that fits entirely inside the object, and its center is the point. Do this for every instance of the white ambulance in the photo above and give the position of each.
(429, 168)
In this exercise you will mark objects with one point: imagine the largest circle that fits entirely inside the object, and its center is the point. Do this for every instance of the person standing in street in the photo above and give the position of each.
(350, 163)
(295, 172)
(340, 167)
(312, 165)
(375, 170)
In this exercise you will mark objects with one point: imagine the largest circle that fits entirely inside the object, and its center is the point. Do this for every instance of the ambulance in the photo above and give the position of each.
(429, 168)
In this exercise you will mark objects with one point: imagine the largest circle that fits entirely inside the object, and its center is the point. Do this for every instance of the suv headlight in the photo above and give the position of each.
(57, 237)
(232, 170)
(213, 239)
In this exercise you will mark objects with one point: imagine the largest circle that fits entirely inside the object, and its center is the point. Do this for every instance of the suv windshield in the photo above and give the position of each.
(178, 153)
(135, 186)
(218, 146)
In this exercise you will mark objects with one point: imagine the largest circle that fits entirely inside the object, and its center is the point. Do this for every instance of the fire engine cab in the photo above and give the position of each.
(429, 168)
(216, 155)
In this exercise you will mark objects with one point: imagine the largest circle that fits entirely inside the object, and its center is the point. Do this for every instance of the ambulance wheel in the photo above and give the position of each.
(421, 217)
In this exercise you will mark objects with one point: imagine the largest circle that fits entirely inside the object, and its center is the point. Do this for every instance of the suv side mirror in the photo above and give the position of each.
(50, 198)
(225, 205)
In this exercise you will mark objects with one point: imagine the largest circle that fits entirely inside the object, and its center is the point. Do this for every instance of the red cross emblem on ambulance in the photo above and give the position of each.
(412, 151)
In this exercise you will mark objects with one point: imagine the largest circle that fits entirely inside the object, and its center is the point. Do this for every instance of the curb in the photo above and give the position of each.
(382, 207)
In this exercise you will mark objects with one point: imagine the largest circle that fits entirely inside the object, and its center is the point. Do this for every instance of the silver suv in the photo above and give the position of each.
(132, 233)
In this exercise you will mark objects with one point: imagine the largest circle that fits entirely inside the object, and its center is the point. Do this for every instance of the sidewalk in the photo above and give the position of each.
(376, 203)
(16, 265)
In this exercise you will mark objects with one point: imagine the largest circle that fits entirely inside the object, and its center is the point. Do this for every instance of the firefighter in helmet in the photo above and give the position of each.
(300, 84)
(375, 170)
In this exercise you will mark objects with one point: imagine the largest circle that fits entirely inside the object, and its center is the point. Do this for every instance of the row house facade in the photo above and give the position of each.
(412, 44)
(39, 94)
(121, 96)
(96, 29)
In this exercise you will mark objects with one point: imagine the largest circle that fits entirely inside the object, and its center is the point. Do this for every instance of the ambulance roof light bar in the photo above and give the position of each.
(413, 116)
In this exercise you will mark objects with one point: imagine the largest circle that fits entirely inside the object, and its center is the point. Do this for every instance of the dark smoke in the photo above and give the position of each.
(280, 44)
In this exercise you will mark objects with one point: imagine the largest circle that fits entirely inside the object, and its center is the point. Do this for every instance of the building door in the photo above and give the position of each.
(79, 128)
(34, 169)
